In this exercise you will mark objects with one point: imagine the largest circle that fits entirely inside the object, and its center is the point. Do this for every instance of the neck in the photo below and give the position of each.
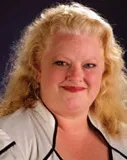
(74, 125)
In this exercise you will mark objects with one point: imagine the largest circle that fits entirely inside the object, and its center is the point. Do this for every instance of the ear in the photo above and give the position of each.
(38, 76)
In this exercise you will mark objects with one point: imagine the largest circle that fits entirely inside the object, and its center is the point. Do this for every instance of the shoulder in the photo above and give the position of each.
(31, 129)
(13, 127)
(123, 135)
(119, 144)
(15, 122)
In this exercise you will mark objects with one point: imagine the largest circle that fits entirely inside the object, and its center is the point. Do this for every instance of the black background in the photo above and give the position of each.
(16, 14)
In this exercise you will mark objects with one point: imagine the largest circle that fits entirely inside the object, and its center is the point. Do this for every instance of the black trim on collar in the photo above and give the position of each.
(48, 155)
(7, 147)
(119, 152)
(110, 153)
(110, 156)
(55, 132)
(54, 138)
(58, 155)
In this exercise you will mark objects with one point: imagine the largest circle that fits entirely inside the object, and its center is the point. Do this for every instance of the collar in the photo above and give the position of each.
(119, 145)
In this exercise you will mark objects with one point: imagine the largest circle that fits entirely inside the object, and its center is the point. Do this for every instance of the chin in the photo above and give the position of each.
(75, 107)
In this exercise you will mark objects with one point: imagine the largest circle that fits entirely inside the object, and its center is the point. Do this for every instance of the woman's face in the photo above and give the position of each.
(71, 73)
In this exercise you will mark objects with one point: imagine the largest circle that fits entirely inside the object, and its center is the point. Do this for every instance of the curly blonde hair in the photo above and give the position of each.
(23, 90)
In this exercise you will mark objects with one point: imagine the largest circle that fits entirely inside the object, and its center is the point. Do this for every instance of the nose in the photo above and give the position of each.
(75, 74)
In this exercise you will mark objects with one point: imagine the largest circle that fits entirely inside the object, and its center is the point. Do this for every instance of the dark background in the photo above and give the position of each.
(16, 14)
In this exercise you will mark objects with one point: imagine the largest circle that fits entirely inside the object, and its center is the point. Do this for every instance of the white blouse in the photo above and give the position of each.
(30, 134)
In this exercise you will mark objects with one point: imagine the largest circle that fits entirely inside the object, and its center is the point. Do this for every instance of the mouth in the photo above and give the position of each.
(73, 88)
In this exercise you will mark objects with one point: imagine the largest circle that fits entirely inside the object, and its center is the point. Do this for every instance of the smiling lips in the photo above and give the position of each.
(73, 88)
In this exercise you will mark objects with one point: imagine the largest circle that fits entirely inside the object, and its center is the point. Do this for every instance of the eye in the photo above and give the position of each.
(89, 65)
(61, 63)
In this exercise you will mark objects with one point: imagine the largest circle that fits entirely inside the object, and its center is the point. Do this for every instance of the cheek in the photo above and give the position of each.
(55, 76)
(94, 78)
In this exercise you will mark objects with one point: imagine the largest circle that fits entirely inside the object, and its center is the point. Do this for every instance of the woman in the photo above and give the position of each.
(65, 96)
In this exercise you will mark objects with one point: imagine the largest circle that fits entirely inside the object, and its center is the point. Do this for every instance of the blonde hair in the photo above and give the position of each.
(22, 88)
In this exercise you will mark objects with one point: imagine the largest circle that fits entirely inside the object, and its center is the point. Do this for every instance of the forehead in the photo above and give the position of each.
(62, 43)
(75, 37)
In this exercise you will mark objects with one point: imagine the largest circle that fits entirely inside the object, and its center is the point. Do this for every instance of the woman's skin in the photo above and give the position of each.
(70, 78)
